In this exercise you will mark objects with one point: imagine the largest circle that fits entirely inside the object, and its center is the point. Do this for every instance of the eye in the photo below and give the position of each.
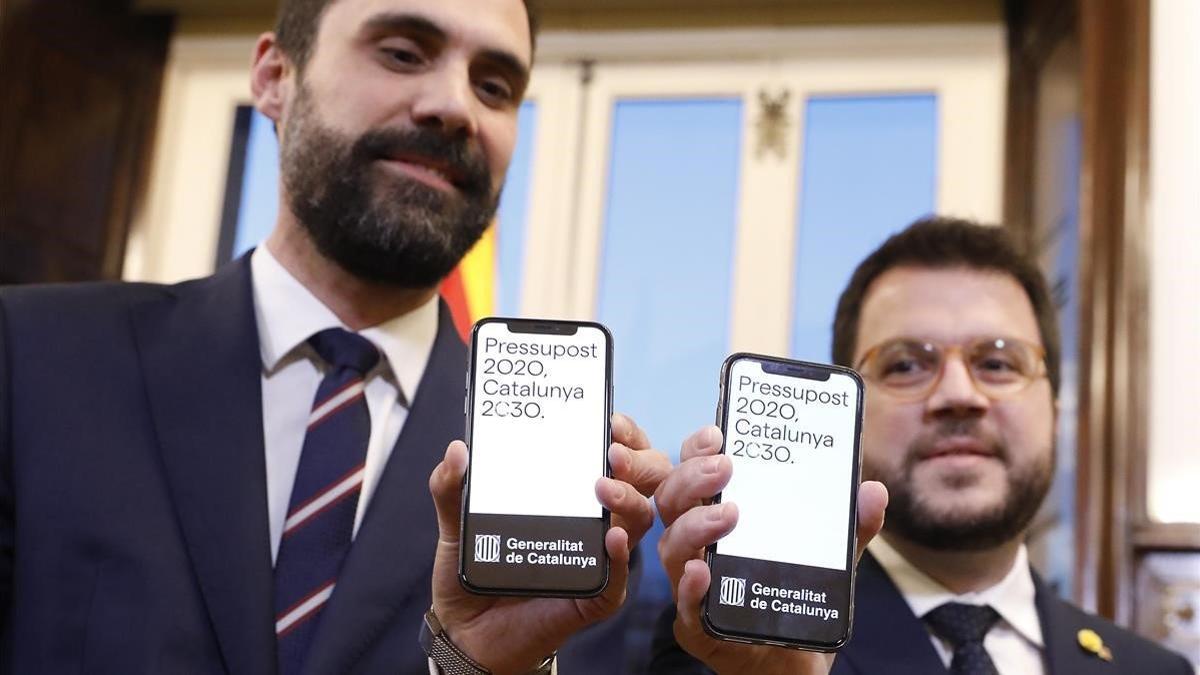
(401, 52)
(495, 91)
(899, 365)
(401, 56)
(902, 365)
(995, 363)
(998, 365)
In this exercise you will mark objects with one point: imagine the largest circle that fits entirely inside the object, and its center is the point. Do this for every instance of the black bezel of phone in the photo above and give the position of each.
(546, 326)
(796, 368)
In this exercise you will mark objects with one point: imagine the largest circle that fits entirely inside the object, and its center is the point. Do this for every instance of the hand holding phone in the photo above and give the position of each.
(511, 634)
(694, 524)
(539, 398)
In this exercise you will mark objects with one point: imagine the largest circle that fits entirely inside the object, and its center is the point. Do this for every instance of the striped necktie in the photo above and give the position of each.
(320, 516)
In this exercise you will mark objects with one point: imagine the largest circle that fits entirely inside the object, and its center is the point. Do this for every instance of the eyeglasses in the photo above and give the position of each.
(911, 369)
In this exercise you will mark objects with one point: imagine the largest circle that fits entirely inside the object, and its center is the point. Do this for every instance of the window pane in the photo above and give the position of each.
(869, 168)
(259, 202)
(513, 215)
(668, 251)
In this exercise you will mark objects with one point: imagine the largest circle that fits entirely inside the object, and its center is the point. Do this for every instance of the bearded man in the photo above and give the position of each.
(232, 474)
(954, 333)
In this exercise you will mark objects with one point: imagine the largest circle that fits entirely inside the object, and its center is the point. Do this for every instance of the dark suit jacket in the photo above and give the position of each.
(133, 514)
(889, 640)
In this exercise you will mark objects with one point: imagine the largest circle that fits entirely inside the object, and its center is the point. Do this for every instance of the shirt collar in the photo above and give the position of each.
(288, 314)
(1013, 597)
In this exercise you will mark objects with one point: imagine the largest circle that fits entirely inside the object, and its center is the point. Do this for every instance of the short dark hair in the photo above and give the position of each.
(942, 243)
(297, 21)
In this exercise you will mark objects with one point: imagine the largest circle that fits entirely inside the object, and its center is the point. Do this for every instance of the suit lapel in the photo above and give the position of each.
(200, 360)
(1063, 655)
(887, 637)
(391, 560)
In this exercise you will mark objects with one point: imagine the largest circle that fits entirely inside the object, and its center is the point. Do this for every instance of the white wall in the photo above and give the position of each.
(1174, 474)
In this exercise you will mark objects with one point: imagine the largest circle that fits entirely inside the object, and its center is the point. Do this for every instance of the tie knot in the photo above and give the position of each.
(961, 623)
(343, 349)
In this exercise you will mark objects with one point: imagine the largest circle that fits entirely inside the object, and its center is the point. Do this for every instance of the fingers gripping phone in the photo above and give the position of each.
(539, 401)
(785, 574)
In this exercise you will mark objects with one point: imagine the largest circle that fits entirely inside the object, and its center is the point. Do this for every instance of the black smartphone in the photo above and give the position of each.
(539, 401)
(785, 574)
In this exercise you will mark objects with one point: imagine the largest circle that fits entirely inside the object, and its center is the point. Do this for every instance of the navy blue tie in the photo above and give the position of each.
(320, 517)
(965, 626)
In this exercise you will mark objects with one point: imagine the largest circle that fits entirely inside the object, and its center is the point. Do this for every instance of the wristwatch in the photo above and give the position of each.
(450, 660)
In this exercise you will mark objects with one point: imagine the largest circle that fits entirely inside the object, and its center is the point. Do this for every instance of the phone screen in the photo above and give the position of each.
(539, 399)
(784, 575)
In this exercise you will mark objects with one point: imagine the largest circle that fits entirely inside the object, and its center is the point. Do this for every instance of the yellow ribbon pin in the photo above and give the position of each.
(1091, 642)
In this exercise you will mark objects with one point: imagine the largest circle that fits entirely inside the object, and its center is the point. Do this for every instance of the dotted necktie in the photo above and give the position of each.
(321, 510)
(965, 627)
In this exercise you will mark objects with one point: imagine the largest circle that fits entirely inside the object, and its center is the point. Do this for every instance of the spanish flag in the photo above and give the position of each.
(470, 290)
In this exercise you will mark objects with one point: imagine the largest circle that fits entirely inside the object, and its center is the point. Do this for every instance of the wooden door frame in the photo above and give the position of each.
(1113, 527)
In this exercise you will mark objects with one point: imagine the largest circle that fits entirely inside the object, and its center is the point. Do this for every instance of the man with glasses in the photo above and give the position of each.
(954, 333)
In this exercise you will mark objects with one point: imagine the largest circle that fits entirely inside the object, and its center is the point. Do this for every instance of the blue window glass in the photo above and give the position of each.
(513, 215)
(668, 250)
(259, 203)
(869, 167)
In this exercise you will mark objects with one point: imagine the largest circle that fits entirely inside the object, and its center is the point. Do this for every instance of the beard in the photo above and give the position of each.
(379, 226)
(914, 515)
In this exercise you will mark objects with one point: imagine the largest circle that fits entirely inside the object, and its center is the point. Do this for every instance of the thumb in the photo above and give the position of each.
(446, 486)
(872, 503)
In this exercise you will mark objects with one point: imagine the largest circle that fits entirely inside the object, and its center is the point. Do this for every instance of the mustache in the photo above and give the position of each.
(460, 159)
(955, 428)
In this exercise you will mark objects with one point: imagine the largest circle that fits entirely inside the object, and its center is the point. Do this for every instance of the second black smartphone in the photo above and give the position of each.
(785, 574)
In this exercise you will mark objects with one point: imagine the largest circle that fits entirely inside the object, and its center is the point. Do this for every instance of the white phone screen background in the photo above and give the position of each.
(538, 422)
(792, 511)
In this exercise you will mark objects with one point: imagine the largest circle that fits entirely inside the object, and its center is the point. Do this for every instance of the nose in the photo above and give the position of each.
(956, 393)
(445, 101)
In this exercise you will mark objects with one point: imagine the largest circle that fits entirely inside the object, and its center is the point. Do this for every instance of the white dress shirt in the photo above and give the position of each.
(1015, 643)
(287, 315)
